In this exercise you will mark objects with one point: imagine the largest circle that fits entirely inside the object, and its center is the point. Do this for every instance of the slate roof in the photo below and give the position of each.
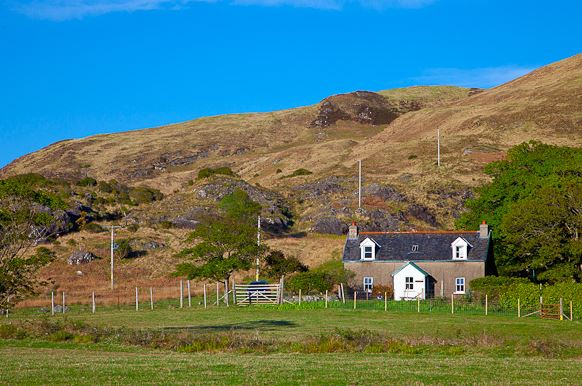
(432, 246)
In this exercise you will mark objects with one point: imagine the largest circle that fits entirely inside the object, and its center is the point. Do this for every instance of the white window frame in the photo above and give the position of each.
(368, 284)
(409, 285)
(414, 247)
(460, 285)
(460, 248)
(368, 250)
(368, 243)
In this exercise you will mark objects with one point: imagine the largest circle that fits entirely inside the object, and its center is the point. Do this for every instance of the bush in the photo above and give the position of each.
(93, 228)
(207, 172)
(310, 282)
(104, 187)
(298, 172)
(279, 265)
(87, 181)
(144, 195)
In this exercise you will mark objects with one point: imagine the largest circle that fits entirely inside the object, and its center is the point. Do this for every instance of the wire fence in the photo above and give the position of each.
(201, 296)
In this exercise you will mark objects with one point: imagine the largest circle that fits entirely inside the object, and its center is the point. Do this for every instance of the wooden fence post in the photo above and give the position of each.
(452, 303)
(486, 305)
(204, 295)
(93, 301)
(561, 309)
(181, 294)
(418, 304)
(151, 298)
(343, 293)
(355, 292)
(518, 307)
(325, 298)
(52, 302)
(233, 292)
(226, 292)
(189, 294)
(217, 295)
(571, 312)
(385, 301)
(136, 299)
(63, 302)
(299, 296)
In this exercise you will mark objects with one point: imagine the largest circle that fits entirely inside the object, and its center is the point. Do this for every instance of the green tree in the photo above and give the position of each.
(277, 265)
(534, 206)
(21, 229)
(238, 205)
(222, 247)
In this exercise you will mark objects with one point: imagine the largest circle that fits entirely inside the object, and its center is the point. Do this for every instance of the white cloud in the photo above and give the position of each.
(59, 10)
(338, 4)
(475, 77)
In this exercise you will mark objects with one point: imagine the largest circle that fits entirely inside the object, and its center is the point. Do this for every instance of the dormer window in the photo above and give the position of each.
(368, 249)
(368, 252)
(460, 248)
(415, 248)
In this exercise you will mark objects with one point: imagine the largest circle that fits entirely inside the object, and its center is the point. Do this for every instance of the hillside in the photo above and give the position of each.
(393, 132)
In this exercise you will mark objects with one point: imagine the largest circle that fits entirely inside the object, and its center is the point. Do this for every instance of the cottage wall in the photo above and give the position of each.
(443, 272)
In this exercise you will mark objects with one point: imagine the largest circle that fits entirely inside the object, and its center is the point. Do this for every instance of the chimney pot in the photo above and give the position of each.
(353, 232)
(483, 230)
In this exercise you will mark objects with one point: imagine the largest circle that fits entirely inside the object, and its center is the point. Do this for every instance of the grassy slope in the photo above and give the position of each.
(520, 350)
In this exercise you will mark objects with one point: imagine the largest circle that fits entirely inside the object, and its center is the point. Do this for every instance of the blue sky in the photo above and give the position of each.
(73, 68)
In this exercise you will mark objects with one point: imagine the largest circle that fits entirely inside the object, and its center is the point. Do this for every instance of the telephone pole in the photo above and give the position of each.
(113, 227)
(259, 246)
(359, 184)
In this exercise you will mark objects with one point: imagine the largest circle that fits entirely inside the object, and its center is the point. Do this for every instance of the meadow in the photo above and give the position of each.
(284, 345)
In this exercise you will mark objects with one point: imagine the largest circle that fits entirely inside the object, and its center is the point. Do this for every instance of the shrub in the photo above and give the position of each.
(298, 172)
(279, 171)
(93, 228)
(166, 224)
(124, 250)
(207, 172)
(144, 195)
(87, 181)
(104, 187)
(279, 265)
(310, 282)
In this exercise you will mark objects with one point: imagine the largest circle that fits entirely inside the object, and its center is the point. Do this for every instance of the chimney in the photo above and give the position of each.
(353, 232)
(483, 230)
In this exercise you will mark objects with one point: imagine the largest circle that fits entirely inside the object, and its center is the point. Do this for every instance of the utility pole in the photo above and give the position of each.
(259, 246)
(359, 184)
(439, 148)
(113, 227)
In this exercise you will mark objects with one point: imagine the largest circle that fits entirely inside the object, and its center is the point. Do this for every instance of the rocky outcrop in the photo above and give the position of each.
(360, 106)
(275, 212)
(81, 257)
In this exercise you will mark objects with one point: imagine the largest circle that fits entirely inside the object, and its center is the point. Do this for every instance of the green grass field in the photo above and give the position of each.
(289, 346)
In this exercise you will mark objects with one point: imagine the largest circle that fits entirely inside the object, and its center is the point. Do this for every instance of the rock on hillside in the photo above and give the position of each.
(360, 106)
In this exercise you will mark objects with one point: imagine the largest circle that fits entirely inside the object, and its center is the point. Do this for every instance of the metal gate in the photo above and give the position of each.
(247, 294)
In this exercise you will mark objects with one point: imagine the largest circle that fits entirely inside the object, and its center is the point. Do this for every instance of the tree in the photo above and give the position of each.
(277, 265)
(21, 229)
(223, 247)
(534, 206)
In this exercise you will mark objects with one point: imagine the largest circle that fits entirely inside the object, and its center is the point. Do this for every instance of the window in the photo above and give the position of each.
(458, 252)
(415, 248)
(368, 253)
(460, 285)
(368, 284)
(409, 283)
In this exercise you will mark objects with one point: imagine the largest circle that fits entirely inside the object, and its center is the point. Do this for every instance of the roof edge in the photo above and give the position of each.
(418, 232)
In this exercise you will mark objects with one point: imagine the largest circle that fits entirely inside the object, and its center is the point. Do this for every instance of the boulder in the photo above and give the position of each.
(81, 257)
